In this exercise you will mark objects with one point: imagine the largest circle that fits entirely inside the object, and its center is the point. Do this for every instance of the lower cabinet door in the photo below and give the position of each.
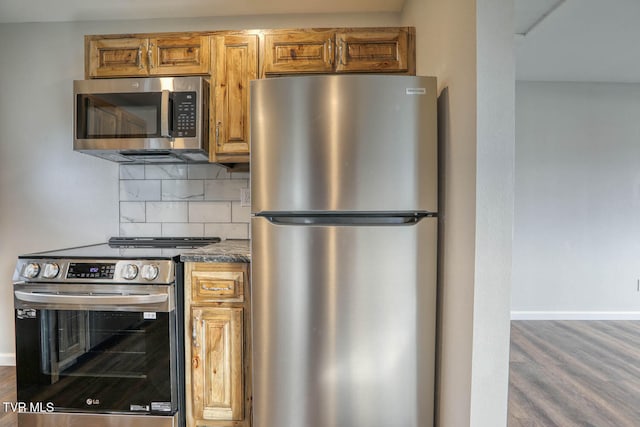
(216, 363)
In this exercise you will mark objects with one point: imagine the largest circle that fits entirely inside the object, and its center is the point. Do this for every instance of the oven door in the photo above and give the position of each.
(79, 348)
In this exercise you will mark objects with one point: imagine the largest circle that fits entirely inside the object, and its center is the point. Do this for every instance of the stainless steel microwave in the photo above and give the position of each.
(142, 120)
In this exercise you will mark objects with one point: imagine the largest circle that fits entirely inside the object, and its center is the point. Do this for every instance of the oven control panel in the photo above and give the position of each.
(85, 270)
(137, 271)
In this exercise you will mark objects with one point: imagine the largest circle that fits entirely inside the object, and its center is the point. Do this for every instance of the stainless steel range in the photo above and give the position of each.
(99, 334)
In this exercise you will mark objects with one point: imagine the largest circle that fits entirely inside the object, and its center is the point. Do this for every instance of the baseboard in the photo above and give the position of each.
(575, 315)
(7, 359)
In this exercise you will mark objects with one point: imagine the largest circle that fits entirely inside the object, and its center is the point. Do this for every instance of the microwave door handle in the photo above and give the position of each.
(164, 114)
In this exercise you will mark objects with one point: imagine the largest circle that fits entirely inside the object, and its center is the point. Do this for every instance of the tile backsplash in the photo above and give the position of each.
(183, 200)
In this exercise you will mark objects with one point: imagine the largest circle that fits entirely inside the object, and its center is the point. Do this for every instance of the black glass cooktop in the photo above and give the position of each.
(137, 247)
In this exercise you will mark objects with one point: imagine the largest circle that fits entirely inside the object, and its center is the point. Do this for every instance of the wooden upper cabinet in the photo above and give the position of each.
(116, 57)
(291, 52)
(380, 50)
(348, 50)
(235, 62)
(154, 56)
(179, 55)
(233, 58)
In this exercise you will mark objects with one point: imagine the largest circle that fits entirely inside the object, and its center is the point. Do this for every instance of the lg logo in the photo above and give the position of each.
(93, 401)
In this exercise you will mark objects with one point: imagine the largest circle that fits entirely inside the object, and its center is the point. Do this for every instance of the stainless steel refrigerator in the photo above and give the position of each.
(344, 223)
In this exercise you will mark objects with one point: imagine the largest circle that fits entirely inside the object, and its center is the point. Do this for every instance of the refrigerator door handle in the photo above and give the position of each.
(345, 219)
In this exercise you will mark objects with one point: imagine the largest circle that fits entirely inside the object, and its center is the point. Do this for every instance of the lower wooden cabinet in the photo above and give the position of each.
(216, 363)
(218, 384)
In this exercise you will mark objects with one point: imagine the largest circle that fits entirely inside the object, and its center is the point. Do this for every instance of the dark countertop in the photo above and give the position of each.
(232, 250)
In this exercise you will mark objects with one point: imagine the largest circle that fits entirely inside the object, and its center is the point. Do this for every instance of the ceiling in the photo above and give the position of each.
(556, 40)
(579, 40)
(98, 10)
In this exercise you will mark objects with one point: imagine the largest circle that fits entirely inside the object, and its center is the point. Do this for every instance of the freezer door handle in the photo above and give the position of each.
(346, 219)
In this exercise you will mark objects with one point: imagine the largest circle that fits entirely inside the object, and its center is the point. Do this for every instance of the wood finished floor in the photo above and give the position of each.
(562, 373)
(7, 394)
(574, 373)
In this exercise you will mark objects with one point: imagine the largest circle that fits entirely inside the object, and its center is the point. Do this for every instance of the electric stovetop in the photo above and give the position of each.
(131, 248)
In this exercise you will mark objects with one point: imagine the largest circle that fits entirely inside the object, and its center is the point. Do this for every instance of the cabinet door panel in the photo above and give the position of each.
(179, 55)
(294, 52)
(236, 63)
(211, 285)
(372, 51)
(217, 379)
(117, 57)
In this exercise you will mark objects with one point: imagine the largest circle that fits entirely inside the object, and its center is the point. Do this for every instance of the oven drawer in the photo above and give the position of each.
(216, 282)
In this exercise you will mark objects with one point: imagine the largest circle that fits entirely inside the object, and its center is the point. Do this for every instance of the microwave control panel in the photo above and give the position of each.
(184, 114)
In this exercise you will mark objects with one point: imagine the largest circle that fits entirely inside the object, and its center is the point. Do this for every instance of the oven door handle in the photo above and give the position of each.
(71, 299)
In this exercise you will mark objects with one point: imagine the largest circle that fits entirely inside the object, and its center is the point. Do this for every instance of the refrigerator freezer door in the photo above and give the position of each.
(344, 143)
(343, 324)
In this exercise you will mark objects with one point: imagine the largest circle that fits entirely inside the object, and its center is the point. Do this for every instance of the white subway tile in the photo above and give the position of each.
(132, 212)
(182, 230)
(209, 212)
(165, 171)
(182, 190)
(224, 189)
(167, 212)
(131, 171)
(227, 231)
(139, 190)
(140, 229)
(240, 213)
(208, 171)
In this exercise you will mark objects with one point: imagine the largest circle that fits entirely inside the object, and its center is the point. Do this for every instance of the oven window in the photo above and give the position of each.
(97, 361)
(119, 115)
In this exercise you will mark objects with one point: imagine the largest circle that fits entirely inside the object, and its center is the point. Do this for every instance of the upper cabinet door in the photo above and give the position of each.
(236, 64)
(155, 56)
(117, 57)
(172, 56)
(291, 52)
(383, 50)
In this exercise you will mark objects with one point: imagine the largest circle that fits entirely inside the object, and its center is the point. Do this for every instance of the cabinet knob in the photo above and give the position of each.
(150, 55)
(220, 287)
(194, 332)
(218, 133)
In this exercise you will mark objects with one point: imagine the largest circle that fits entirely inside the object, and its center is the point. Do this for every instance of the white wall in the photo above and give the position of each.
(467, 44)
(577, 227)
(51, 197)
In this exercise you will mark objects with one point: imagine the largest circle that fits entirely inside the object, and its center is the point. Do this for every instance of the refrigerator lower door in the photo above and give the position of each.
(343, 324)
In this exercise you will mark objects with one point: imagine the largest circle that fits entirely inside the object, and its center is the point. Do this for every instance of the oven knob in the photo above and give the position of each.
(129, 272)
(149, 272)
(31, 270)
(51, 270)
